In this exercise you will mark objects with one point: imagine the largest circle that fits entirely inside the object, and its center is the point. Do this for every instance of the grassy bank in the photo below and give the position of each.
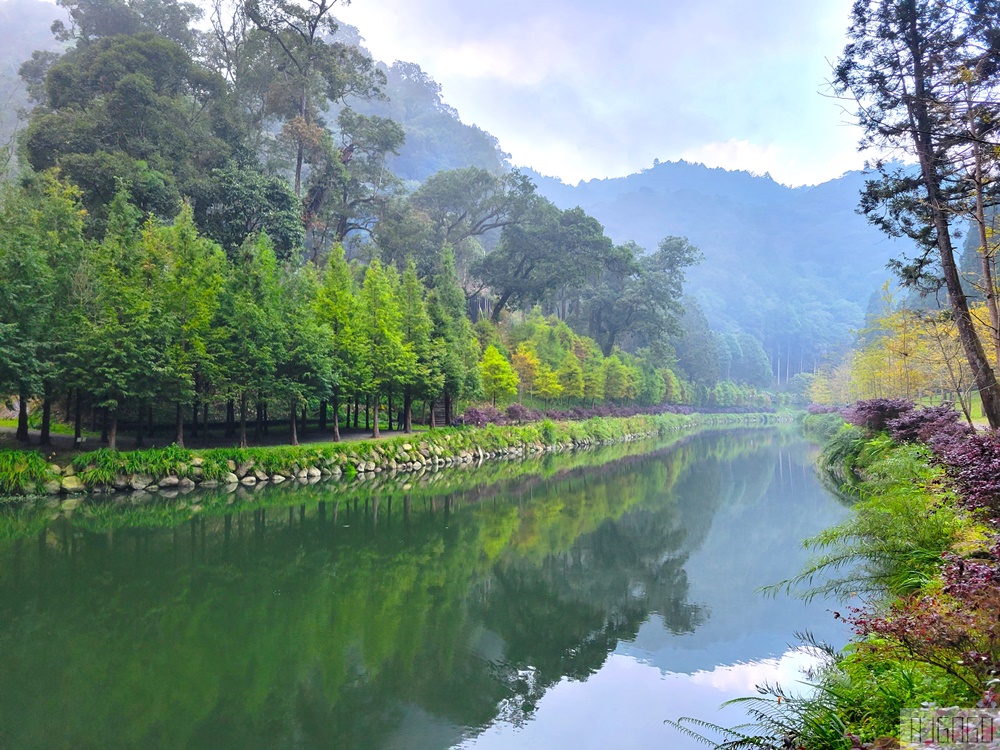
(917, 573)
(28, 472)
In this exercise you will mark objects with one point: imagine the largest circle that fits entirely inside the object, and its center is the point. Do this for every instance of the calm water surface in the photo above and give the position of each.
(567, 602)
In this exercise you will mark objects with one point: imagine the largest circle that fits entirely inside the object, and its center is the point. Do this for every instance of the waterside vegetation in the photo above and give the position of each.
(175, 468)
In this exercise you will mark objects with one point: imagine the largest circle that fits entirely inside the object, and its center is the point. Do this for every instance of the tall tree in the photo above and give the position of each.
(427, 377)
(899, 66)
(121, 338)
(447, 309)
(306, 368)
(190, 280)
(388, 358)
(638, 294)
(314, 71)
(549, 250)
(337, 304)
(26, 296)
(253, 331)
(350, 190)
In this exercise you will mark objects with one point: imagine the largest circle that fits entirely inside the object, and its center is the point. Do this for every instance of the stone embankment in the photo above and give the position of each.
(173, 469)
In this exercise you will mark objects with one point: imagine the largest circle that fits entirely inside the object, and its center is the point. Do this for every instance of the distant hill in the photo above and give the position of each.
(24, 27)
(793, 266)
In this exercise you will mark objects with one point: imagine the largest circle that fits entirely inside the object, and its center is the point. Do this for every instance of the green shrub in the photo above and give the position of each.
(22, 472)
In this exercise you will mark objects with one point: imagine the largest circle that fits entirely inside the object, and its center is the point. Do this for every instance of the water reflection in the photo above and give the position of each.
(534, 605)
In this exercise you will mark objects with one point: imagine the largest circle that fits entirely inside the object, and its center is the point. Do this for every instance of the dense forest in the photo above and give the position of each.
(242, 210)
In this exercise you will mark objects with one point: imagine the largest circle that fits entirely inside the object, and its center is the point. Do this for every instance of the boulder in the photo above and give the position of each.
(277, 478)
(232, 478)
(169, 481)
(185, 483)
(313, 472)
(53, 487)
(249, 480)
(140, 481)
(55, 468)
(197, 461)
(261, 476)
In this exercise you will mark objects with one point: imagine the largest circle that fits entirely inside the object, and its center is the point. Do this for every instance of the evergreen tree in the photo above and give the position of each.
(337, 304)
(427, 378)
(121, 340)
(570, 376)
(452, 325)
(253, 334)
(188, 288)
(388, 358)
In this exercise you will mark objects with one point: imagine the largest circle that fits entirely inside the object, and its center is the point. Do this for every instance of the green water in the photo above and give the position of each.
(567, 602)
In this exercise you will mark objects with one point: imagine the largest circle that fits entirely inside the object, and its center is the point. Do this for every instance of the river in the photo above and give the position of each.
(566, 602)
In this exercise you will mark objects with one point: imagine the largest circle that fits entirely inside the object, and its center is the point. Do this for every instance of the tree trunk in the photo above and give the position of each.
(500, 305)
(357, 403)
(113, 430)
(375, 432)
(139, 423)
(291, 419)
(194, 418)
(45, 438)
(78, 421)
(257, 425)
(230, 419)
(243, 420)
(22, 419)
(433, 422)
(322, 415)
(407, 412)
(204, 419)
(179, 426)
(368, 412)
(447, 410)
(336, 418)
(388, 412)
(104, 425)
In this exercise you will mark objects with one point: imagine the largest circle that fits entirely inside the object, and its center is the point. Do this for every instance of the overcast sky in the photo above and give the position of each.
(586, 88)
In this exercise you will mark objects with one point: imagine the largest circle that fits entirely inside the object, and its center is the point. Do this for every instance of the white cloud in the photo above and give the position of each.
(581, 88)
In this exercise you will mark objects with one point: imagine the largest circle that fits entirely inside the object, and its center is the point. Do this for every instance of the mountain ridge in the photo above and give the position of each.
(794, 267)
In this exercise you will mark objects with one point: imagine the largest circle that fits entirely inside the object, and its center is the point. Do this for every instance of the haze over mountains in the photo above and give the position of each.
(795, 267)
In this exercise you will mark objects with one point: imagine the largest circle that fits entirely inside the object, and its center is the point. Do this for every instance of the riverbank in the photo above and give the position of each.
(916, 569)
(164, 469)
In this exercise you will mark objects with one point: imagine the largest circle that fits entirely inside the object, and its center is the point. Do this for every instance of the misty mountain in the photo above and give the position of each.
(792, 266)
(24, 28)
